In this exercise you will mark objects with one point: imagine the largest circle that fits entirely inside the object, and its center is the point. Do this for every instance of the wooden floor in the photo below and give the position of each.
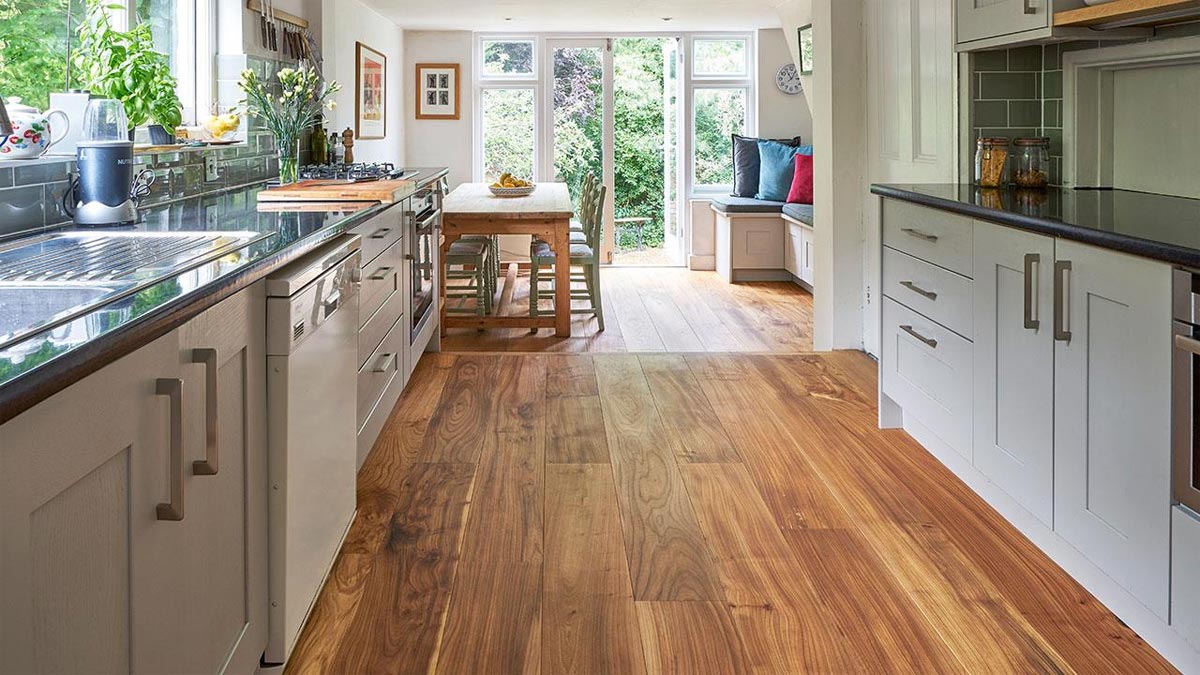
(660, 309)
(683, 514)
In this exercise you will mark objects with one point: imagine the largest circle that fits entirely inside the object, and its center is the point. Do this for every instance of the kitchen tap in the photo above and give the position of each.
(5, 123)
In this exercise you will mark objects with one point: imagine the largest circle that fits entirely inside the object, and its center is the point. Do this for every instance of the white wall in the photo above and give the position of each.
(440, 142)
(779, 115)
(345, 23)
(792, 15)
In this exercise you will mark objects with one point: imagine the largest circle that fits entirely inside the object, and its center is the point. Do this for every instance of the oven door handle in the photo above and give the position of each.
(1187, 344)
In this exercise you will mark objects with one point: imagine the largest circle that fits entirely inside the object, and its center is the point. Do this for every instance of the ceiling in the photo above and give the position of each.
(580, 16)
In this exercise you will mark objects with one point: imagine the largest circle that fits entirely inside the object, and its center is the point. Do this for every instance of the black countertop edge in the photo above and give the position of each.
(1146, 248)
(35, 386)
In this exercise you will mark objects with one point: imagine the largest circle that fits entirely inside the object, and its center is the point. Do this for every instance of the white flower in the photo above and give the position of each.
(331, 104)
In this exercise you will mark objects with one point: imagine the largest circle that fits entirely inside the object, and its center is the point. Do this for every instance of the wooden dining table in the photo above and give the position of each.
(471, 208)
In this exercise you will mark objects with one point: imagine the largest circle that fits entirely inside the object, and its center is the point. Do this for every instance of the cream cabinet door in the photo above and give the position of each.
(202, 599)
(80, 477)
(1014, 364)
(806, 256)
(979, 19)
(793, 248)
(1112, 415)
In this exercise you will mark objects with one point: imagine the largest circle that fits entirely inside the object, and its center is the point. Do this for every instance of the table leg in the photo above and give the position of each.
(447, 239)
(562, 279)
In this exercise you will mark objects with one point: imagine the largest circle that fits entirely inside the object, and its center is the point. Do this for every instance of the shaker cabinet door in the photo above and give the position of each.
(1014, 365)
(1112, 420)
(980, 19)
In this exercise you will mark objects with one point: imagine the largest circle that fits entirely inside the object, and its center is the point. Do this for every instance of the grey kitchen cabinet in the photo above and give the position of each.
(1185, 574)
(1014, 365)
(981, 19)
(1112, 424)
(133, 509)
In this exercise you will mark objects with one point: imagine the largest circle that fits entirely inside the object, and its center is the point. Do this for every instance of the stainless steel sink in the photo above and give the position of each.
(52, 279)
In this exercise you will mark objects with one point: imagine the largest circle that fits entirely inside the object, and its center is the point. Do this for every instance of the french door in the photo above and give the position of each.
(578, 136)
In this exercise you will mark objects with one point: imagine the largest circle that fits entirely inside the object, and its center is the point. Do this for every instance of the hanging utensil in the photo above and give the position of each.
(273, 26)
(262, 24)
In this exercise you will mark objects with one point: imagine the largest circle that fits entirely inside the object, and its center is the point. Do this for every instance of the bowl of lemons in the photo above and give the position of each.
(221, 127)
(510, 186)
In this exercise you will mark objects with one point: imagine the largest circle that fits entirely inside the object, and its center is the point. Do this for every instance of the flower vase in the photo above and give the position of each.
(289, 161)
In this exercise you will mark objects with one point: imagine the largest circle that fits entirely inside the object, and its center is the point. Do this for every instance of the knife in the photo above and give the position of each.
(274, 32)
(262, 23)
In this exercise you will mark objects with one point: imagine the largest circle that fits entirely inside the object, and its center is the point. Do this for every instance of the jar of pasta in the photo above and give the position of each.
(991, 161)
(1032, 162)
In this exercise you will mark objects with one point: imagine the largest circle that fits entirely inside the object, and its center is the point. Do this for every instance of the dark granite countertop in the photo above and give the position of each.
(1153, 226)
(42, 364)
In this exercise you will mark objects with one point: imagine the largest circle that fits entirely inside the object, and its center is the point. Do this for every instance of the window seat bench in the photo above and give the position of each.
(760, 240)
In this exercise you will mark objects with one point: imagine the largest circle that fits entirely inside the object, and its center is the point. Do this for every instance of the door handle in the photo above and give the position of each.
(931, 238)
(928, 341)
(1062, 300)
(332, 303)
(1029, 7)
(919, 291)
(385, 363)
(1187, 344)
(381, 233)
(209, 465)
(382, 273)
(1033, 263)
(172, 388)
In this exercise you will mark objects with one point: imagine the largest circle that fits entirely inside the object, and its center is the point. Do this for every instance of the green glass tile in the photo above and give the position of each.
(1052, 114)
(990, 61)
(991, 113)
(1025, 59)
(1025, 113)
(1052, 85)
(1008, 86)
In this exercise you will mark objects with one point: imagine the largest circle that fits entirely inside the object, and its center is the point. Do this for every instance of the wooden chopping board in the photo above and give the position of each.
(384, 191)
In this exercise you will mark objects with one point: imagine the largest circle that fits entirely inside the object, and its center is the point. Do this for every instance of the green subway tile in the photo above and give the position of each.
(1052, 114)
(991, 113)
(1052, 85)
(1051, 57)
(990, 61)
(1025, 113)
(1007, 86)
(1056, 141)
(1025, 59)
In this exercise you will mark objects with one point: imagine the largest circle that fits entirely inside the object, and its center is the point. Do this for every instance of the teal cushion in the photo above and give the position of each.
(777, 168)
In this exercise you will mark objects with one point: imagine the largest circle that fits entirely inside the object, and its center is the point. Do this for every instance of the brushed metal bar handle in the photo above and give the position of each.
(1029, 8)
(928, 341)
(1187, 344)
(382, 273)
(173, 389)
(1062, 300)
(386, 362)
(1033, 263)
(381, 233)
(211, 462)
(932, 238)
(919, 291)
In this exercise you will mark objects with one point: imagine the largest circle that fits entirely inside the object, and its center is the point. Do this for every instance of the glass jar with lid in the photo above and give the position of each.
(991, 161)
(1032, 162)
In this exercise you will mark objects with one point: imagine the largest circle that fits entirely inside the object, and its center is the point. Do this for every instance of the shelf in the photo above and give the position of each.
(1122, 13)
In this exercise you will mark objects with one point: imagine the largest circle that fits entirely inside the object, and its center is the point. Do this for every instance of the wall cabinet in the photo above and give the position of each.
(980, 19)
(1112, 424)
(133, 510)
(1014, 365)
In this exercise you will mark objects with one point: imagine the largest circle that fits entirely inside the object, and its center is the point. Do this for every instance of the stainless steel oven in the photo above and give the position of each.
(1184, 394)
(424, 218)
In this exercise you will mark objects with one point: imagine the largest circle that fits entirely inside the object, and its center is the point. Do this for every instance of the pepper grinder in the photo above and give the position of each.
(348, 144)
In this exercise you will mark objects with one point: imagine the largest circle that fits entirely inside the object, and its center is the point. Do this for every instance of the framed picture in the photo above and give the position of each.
(370, 93)
(806, 49)
(437, 91)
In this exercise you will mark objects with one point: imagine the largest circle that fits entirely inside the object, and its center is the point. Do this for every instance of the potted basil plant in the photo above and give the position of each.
(125, 65)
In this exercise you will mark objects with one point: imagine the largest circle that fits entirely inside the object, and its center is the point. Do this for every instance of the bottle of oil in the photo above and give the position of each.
(320, 145)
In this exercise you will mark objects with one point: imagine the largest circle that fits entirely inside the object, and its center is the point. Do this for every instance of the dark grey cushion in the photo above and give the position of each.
(746, 163)
(731, 204)
(800, 212)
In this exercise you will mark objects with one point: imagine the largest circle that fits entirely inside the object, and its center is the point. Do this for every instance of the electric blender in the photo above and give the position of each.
(104, 190)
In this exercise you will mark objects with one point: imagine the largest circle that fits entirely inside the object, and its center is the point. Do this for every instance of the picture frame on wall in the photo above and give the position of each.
(805, 36)
(370, 93)
(438, 89)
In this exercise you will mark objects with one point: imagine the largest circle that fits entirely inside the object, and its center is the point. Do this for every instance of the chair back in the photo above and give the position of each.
(587, 192)
(593, 225)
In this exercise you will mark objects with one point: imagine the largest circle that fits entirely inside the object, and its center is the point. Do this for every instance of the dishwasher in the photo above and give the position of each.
(312, 366)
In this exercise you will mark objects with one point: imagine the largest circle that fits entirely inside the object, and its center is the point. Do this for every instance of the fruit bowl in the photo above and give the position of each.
(512, 191)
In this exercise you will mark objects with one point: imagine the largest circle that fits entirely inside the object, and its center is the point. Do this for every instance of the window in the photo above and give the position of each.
(723, 57)
(718, 112)
(34, 36)
(508, 122)
(508, 59)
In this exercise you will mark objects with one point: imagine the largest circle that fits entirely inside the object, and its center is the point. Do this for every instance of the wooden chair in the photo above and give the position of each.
(585, 255)
(474, 261)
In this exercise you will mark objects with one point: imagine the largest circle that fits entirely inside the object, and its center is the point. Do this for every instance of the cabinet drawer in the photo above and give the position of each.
(1185, 574)
(941, 238)
(381, 281)
(941, 295)
(927, 369)
(376, 328)
(383, 366)
(380, 233)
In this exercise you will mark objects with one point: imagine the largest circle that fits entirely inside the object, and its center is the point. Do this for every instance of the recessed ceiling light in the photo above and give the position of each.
(666, 18)
(508, 18)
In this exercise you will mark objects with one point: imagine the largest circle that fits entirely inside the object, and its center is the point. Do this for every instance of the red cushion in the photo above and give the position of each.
(802, 181)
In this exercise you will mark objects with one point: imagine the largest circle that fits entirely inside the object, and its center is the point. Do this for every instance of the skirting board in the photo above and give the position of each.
(1120, 602)
(761, 275)
(702, 263)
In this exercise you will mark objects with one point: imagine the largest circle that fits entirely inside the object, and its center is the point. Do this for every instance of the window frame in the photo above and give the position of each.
(747, 60)
(480, 146)
(481, 49)
(482, 82)
(692, 82)
(698, 188)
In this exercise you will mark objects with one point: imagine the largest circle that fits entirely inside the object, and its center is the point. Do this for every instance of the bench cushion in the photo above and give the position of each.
(800, 212)
(731, 204)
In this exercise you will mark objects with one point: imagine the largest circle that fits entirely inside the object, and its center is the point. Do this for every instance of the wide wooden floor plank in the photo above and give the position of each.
(696, 638)
(463, 412)
(575, 431)
(668, 559)
(690, 422)
(405, 597)
(589, 622)
(571, 375)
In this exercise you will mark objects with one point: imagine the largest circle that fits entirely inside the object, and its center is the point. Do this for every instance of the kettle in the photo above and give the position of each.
(32, 134)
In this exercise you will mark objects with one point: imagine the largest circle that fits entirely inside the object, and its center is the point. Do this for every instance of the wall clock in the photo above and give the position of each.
(788, 80)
